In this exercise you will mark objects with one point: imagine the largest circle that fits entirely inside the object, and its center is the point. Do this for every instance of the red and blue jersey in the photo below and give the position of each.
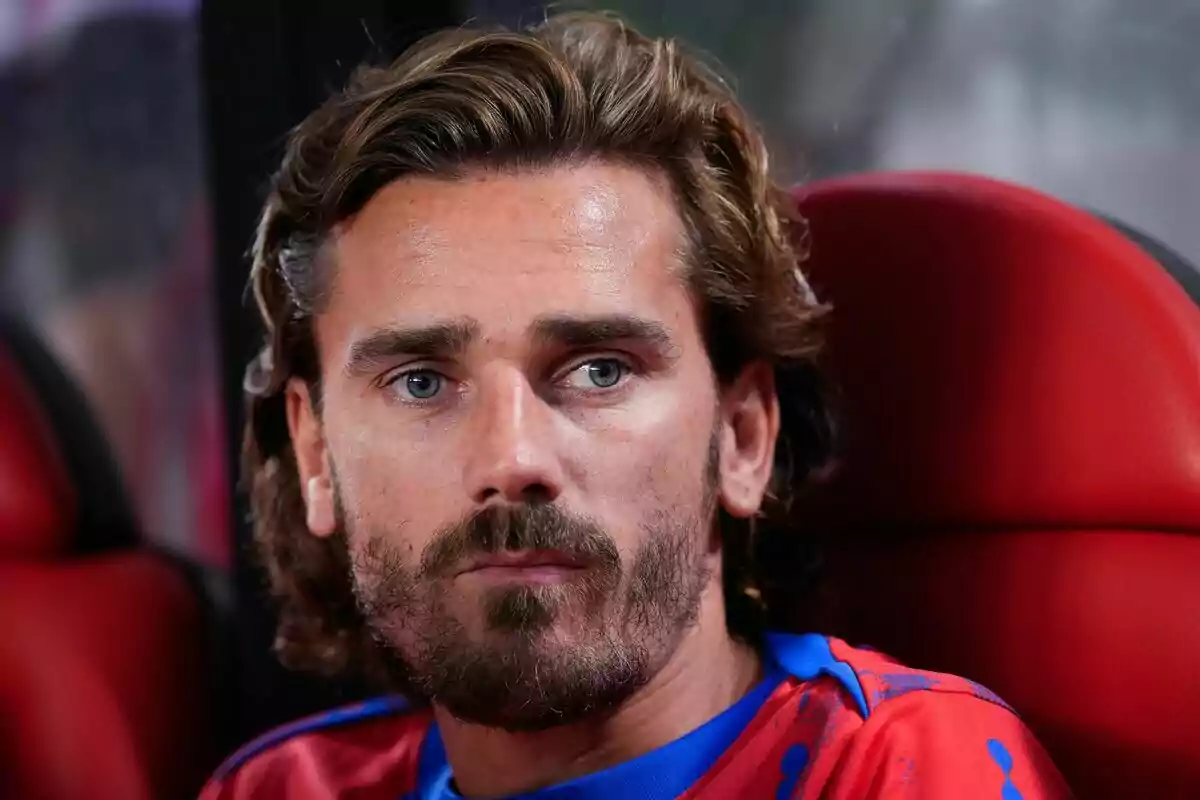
(827, 721)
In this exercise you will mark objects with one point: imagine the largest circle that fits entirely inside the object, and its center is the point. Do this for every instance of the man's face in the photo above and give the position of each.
(520, 434)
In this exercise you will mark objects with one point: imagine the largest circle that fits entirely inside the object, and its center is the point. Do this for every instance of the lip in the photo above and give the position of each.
(517, 563)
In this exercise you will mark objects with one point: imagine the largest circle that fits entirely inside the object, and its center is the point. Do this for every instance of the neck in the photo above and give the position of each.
(706, 674)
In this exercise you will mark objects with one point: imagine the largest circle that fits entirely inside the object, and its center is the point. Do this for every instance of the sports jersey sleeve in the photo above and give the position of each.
(944, 747)
(368, 750)
(293, 771)
(237, 786)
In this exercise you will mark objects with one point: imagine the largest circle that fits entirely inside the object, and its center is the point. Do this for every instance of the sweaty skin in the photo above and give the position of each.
(454, 378)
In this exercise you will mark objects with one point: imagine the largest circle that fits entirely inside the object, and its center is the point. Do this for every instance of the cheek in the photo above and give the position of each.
(391, 486)
(651, 457)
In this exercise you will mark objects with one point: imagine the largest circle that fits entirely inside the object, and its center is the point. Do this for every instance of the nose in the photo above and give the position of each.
(511, 454)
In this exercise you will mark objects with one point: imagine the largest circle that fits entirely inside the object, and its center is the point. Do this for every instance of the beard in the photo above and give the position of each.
(522, 671)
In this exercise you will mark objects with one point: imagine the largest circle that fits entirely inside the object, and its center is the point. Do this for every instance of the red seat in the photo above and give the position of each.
(1018, 498)
(103, 672)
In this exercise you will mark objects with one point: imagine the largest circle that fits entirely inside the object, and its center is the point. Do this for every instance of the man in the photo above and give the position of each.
(537, 386)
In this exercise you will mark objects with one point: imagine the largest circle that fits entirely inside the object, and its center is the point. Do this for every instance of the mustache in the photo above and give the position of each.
(500, 528)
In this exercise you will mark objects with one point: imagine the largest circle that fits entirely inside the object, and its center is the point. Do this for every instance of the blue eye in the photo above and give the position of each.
(421, 384)
(599, 373)
(605, 372)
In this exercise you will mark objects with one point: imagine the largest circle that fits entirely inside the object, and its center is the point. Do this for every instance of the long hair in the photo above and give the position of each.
(576, 87)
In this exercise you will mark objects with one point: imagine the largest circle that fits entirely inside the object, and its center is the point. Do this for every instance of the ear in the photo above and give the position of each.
(749, 410)
(312, 460)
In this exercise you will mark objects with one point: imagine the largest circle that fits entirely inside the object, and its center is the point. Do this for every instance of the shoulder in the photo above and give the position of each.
(883, 679)
(945, 743)
(377, 740)
(914, 732)
(869, 679)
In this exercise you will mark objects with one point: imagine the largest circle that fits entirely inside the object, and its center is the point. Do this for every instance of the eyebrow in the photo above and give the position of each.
(430, 341)
(446, 339)
(584, 332)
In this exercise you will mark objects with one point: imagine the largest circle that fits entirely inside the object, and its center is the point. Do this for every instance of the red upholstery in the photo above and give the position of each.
(100, 669)
(1019, 496)
(36, 513)
(102, 659)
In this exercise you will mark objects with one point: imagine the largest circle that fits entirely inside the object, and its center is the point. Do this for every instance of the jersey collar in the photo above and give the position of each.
(669, 771)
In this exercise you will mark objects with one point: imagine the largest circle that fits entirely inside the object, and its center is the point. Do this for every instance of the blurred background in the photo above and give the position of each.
(105, 242)
(135, 137)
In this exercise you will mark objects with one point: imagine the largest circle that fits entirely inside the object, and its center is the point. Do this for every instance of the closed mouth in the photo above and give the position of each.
(520, 560)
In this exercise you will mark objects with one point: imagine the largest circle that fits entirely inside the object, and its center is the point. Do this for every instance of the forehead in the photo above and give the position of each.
(506, 247)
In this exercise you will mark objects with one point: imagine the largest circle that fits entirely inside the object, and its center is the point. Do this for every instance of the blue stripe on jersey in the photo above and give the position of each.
(359, 712)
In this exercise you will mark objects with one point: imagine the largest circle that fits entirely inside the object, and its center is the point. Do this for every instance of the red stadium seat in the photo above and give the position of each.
(1018, 495)
(104, 671)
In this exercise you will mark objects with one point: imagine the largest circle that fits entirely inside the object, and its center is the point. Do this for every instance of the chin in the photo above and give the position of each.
(539, 612)
(533, 681)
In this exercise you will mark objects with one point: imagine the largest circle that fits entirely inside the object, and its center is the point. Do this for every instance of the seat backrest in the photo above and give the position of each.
(36, 502)
(53, 425)
(104, 662)
(1018, 493)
